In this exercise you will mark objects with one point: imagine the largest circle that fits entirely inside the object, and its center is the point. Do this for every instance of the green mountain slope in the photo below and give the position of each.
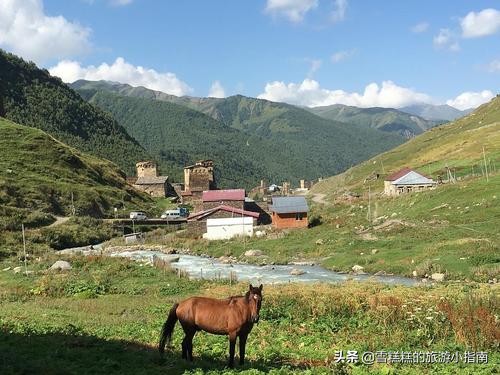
(385, 119)
(39, 174)
(442, 112)
(30, 96)
(452, 229)
(458, 145)
(178, 136)
(302, 144)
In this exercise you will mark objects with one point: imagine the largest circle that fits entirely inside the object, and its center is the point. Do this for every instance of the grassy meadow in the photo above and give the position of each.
(105, 315)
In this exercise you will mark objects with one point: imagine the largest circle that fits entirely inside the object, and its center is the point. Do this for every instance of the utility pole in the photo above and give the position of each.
(24, 247)
(485, 166)
(369, 217)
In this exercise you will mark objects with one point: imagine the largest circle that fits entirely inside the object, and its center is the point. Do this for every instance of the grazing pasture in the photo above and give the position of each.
(105, 316)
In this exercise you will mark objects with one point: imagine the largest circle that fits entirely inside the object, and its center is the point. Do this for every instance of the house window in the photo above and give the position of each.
(298, 216)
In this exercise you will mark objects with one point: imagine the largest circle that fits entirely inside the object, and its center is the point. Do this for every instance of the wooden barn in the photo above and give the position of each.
(289, 212)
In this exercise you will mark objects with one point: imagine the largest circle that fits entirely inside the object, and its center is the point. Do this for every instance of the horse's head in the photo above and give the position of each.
(254, 296)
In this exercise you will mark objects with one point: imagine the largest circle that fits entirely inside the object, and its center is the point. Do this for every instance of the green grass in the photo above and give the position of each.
(105, 315)
(439, 238)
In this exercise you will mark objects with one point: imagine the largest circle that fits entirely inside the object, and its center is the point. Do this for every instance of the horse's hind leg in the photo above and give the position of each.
(190, 345)
(187, 343)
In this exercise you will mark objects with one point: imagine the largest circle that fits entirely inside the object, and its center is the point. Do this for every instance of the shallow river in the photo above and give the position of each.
(212, 268)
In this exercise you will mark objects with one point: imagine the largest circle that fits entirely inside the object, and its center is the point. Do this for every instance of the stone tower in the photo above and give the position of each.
(146, 169)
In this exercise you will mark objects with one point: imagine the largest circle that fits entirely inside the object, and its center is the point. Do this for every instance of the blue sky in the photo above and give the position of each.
(307, 52)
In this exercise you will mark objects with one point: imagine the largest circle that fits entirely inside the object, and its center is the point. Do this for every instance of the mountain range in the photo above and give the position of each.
(433, 112)
(385, 119)
(275, 141)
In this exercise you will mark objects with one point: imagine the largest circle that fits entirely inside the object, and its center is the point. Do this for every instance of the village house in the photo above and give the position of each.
(406, 181)
(150, 182)
(197, 222)
(230, 197)
(289, 212)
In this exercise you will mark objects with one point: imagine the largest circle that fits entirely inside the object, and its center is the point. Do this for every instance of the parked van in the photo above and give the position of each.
(175, 214)
(138, 215)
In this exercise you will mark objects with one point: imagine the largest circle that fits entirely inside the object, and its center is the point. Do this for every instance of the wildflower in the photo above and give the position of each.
(429, 317)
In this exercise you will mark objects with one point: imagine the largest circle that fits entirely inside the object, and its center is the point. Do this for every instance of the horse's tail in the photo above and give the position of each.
(168, 328)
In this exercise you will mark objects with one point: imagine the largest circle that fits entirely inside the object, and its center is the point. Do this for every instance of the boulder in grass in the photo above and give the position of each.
(438, 276)
(61, 265)
(253, 253)
(357, 269)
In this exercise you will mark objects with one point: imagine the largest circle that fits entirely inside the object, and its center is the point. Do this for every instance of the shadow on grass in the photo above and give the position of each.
(60, 353)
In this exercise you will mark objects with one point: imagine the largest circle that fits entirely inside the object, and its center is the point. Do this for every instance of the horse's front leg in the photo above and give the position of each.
(232, 344)
(243, 342)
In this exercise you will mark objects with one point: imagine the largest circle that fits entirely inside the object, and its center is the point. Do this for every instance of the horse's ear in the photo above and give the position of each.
(260, 287)
(250, 287)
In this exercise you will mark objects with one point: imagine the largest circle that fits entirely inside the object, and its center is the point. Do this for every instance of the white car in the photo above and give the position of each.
(138, 215)
(171, 214)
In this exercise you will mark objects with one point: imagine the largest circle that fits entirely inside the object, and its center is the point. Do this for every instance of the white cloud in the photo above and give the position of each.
(470, 99)
(340, 7)
(124, 72)
(26, 30)
(294, 10)
(485, 22)
(216, 90)
(310, 94)
(341, 56)
(446, 40)
(420, 27)
(494, 66)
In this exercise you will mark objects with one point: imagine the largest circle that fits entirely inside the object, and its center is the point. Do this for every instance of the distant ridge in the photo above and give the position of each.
(442, 112)
(288, 142)
(385, 119)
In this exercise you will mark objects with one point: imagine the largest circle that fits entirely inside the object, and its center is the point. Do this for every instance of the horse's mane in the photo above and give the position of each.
(233, 298)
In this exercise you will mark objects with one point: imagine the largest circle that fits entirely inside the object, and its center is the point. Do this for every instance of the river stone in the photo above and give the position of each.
(253, 253)
(18, 269)
(357, 268)
(297, 272)
(414, 273)
(374, 251)
(6, 269)
(61, 265)
(437, 276)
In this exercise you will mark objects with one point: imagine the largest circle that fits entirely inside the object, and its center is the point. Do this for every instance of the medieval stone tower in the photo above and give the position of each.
(146, 169)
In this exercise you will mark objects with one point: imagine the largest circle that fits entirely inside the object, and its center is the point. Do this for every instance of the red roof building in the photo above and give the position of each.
(231, 197)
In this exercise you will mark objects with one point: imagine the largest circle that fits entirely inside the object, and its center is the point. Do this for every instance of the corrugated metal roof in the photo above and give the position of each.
(151, 180)
(398, 174)
(223, 195)
(201, 214)
(413, 178)
(284, 205)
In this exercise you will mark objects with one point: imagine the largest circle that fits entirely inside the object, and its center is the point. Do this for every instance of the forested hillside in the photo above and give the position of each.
(284, 142)
(177, 136)
(30, 96)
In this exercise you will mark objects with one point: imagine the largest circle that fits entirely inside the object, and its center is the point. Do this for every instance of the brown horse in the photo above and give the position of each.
(234, 316)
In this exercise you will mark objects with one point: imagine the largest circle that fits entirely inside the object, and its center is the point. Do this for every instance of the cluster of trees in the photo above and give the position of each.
(32, 97)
